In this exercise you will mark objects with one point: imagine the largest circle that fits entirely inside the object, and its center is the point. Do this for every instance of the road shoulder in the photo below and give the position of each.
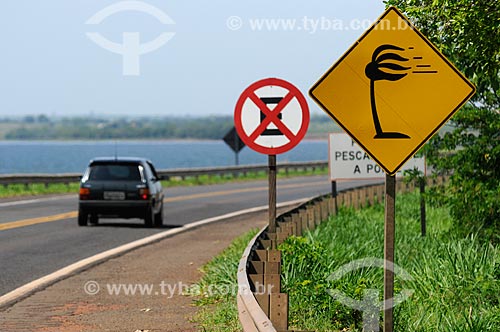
(166, 267)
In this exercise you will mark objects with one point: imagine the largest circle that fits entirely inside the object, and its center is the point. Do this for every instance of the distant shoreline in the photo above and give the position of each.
(43, 128)
(131, 140)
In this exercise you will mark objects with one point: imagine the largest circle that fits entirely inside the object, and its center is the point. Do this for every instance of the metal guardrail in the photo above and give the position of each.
(46, 179)
(238, 170)
(251, 315)
(260, 267)
(167, 174)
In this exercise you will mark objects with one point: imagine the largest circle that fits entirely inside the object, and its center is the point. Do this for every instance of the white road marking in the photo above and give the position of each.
(36, 200)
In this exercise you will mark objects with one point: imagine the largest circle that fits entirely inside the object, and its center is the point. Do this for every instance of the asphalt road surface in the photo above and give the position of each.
(39, 236)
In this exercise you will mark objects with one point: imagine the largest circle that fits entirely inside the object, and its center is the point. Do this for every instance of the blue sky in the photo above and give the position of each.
(50, 66)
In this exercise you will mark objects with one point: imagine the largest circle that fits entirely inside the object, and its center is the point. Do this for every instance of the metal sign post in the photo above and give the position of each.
(334, 195)
(236, 153)
(423, 227)
(272, 193)
(389, 232)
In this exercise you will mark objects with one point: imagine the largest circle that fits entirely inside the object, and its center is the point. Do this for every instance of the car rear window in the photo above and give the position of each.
(115, 172)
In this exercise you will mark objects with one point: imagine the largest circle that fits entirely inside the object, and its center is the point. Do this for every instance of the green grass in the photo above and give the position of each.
(456, 281)
(215, 293)
(40, 189)
(34, 189)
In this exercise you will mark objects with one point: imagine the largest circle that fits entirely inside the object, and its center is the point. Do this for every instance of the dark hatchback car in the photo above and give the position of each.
(121, 188)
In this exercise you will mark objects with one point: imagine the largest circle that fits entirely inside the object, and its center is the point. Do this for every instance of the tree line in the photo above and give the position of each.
(42, 127)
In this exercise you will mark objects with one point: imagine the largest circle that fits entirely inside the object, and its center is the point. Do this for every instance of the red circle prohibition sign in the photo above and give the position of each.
(273, 116)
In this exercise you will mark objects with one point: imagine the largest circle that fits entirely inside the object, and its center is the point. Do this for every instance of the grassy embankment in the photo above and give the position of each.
(456, 281)
(218, 311)
(40, 189)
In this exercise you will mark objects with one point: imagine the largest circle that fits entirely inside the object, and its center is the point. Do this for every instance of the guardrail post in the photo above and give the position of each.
(331, 207)
(322, 211)
(279, 311)
(256, 277)
(347, 199)
(364, 195)
(291, 225)
(282, 232)
(380, 193)
(270, 242)
(325, 203)
(310, 218)
(371, 194)
(265, 277)
(278, 302)
(340, 200)
(355, 199)
(303, 219)
(296, 223)
(317, 214)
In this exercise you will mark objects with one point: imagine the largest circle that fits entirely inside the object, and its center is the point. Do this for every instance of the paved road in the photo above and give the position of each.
(40, 236)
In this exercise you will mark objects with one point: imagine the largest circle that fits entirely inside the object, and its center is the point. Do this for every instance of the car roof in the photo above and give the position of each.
(119, 160)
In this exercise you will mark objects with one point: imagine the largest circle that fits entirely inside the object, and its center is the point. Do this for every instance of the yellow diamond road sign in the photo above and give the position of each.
(392, 90)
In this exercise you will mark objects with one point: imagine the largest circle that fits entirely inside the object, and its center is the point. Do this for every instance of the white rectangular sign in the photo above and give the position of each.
(349, 162)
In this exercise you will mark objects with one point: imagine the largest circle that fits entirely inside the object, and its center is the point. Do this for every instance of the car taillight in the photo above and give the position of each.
(144, 194)
(84, 193)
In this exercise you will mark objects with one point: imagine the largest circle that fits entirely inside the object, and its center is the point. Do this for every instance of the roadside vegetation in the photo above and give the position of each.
(18, 190)
(456, 280)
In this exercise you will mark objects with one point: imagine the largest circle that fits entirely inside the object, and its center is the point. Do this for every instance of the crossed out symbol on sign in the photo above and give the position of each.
(273, 116)
(293, 127)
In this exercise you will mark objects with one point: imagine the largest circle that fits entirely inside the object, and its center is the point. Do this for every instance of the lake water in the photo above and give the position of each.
(73, 157)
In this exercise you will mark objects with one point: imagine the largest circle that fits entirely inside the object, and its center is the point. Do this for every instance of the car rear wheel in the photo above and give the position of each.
(159, 217)
(149, 217)
(82, 218)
